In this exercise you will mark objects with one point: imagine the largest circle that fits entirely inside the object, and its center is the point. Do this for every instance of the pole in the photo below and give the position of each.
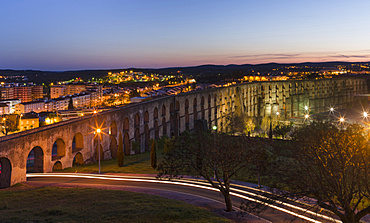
(214, 146)
(99, 151)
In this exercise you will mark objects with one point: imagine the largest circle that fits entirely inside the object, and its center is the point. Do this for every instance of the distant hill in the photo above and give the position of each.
(202, 73)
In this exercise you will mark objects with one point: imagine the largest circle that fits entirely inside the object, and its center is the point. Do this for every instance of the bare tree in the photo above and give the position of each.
(215, 157)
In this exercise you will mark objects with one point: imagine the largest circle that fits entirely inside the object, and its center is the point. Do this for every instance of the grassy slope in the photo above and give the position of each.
(138, 164)
(24, 203)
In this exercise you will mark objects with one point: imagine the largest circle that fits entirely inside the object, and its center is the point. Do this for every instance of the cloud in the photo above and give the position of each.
(268, 55)
(349, 56)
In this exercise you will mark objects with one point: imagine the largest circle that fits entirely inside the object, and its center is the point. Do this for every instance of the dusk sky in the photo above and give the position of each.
(87, 34)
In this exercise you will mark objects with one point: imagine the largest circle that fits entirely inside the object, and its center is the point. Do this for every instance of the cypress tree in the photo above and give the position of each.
(153, 155)
(70, 104)
(120, 153)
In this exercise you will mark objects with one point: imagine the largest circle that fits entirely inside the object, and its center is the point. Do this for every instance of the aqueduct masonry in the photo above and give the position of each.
(62, 144)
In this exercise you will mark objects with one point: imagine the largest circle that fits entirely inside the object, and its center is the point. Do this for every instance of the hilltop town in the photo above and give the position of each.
(27, 102)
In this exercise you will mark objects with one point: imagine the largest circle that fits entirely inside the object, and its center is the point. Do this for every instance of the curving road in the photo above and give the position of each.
(277, 212)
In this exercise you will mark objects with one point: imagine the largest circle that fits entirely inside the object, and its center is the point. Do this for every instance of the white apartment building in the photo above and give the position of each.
(11, 103)
(4, 109)
(26, 107)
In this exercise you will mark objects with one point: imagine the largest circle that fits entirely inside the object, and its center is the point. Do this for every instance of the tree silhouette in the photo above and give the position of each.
(70, 104)
(216, 158)
(332, 165)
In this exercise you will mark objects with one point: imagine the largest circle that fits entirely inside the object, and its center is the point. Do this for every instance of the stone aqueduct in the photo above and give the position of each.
(62, 144)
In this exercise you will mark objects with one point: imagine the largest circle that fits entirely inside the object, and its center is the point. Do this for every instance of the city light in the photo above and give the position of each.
(306, 107)
(277, 113)
(306, 116)
(341, 119)
(98, 131)
(331, 109)
(364, 114)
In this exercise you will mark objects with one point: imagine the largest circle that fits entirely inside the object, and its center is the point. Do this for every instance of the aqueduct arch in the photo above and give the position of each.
(77, 142)
(35, 160)
(57, 166)
(113, 139)
(78, 160)
(59, 149)
(5, 172)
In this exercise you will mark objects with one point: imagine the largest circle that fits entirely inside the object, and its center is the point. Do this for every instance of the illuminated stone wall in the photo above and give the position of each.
(171, 115)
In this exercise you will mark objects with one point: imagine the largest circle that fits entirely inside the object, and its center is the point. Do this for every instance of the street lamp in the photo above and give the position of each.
(214, 128)
(365, 115)
(98, 131)
(306, 116)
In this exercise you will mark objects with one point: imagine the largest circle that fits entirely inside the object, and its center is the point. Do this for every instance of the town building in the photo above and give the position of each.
(32, 106)
(28, 121)
(11, 104)
(37, 92)
(24, 93)
(4, 109)
(57, 91)
(7, 93)
(56, 104)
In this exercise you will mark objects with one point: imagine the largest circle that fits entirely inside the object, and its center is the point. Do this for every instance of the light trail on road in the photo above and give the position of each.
(200, 184)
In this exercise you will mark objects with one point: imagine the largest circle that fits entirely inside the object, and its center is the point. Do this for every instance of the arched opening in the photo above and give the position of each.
(187, 118)
(172, 122)
(78, 160)
(215, 110)
(137, 120)
(126, 124)
(57, 166)
(146, 117)
(147, 137)
(203, 111)
(177, 124)
(156, 129)
(171, 108)
(163, 110)
(164, 126)
(58, 150)
(137, 135)
(209, 111)
(35, 161)
(101, 152)
(5, 172)
(126, 143)
(113, 129)
(186, 104)
(78, 142)
(155, 113)
(177, 106)
(195, 112)
(113, 147)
